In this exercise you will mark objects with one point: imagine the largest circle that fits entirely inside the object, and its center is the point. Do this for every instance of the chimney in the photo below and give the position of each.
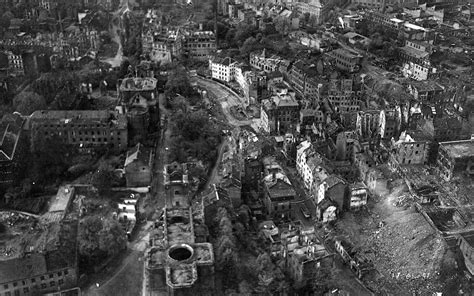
(200, 27)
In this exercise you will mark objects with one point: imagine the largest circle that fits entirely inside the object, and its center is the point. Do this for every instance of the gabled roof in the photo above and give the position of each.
(138, 153)
(414, 52)
(333, 180)
(303, 146)
(232, 181)
(279, 186)
(226, 61)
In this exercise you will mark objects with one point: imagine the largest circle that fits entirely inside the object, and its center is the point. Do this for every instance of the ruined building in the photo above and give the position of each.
(305, 256)
(84, 129)
(39, 254)
(179, 260)
(456, 158)
(139, 100)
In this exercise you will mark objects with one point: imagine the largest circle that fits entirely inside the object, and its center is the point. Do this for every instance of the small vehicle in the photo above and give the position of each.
(305, 212)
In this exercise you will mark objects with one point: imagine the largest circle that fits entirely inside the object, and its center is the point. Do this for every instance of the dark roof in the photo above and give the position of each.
(226, 61)
(326, 203)
(447, 122)
(309, 70)
(21, 268)
(274, 74)
(469, 237)
(280, 189)
(333, 180)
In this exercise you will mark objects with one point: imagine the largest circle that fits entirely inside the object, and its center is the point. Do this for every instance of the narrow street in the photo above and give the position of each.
(303, 200)
(123, 275)
(213, 177)
(115, 27)
(157, 192)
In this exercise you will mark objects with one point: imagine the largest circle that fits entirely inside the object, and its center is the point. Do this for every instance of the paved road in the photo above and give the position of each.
(226, 98)
(161, 158)
(125, 267)
(303, 199)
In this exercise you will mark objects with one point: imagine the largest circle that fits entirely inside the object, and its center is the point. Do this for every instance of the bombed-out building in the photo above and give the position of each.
(179, 260)
(39, 254)
(456, 158)
(84, 129)
(139, 100)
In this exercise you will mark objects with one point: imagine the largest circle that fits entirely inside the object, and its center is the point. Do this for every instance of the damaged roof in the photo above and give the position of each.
(10, 129)
(139, 152)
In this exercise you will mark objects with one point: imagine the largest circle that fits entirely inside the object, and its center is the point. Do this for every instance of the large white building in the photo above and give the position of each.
(222, 68)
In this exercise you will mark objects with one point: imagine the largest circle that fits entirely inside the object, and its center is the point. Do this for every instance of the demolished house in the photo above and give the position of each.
(357, 262)
(305, 255)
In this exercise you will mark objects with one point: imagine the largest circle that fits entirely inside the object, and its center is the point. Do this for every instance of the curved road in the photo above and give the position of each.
(227, 98)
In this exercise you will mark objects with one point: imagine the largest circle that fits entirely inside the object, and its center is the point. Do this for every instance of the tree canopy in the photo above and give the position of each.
(49, 160)
(196, 137)
(27, 102)
(99, 238)
(178, 83)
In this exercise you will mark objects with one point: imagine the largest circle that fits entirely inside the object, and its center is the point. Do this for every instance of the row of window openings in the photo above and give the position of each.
(91, 139)
(87, 133)
(199, 45)
(281, 206)
(33, 280)
(73, 125)
(27, 289)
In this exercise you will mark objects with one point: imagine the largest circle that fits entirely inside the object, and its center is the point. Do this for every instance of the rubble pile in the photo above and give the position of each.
(407, 250)
(407, 253)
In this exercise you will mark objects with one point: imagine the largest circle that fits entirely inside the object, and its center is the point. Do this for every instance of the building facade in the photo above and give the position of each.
(411, 148)
(279, 113)
(138, 98)
(41, 278)
(278, 195)
(466, 246)
(456, 158)
(345, 60)
(138, 167)
(358, 196)
(83, 129)
(261, 61)
(222, 69)
(200, 45)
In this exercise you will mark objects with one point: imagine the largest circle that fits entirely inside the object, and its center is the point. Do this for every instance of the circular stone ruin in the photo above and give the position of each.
(180, 252)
